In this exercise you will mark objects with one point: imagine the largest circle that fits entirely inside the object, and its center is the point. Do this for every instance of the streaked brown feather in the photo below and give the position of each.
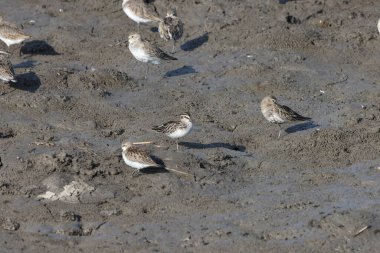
(11, 31)
(143, 9)
(153, 50)
(289, 114)
(6, 68)
(141, 156)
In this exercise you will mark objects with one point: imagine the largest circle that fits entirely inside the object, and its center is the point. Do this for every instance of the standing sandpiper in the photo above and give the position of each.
(139, 159)
(10, 34)
(7, 73)
(145, 51)
(140, 12)
(278, 114)
(171, 28)
(176, 129)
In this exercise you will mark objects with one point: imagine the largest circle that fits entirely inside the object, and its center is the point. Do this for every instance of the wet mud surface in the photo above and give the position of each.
(80, 93)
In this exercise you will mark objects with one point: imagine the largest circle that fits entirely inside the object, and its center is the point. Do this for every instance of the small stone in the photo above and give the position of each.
(72, 229)
(292, 20)
(9, 224)
(110, 212)
(69, 216)
(112, 172)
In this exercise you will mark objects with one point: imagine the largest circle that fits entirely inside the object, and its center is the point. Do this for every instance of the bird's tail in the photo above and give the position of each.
(302, 118)
(158, 129)
(168, 57)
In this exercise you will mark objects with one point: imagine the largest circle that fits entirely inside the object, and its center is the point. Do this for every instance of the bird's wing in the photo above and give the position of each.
(289, 114)
(157, 52)
(140, 156)
(163, 30)
(151, 11)
(174, 26)
(12, 31)
(6, 68)
(165, 127)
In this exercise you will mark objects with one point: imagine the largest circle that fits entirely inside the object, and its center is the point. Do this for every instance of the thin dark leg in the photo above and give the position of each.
(146, 70)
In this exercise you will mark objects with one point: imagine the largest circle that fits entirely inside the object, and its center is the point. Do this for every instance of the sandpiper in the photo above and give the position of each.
(140, 11)
(7, 73)
(140, 159)
(136, 158)
(176, 129)
(145, 51)
(278, 114)
(10, 34)
(171, 28)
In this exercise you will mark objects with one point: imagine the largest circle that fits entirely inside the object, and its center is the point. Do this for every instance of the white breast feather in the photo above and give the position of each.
(10, 42)
(134, 17)
(133, 164)
(181, 132)
(142, 56)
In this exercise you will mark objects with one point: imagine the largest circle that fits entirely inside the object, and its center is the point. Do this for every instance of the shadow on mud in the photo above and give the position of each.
(185, 70)
(213, 145)
(195, 43)
(38, 47)
(155, 169)
(27, 82)
(301, 127)
(26, 64)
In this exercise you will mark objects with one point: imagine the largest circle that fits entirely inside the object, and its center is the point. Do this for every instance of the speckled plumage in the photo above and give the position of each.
(176, 129)
(171, 27)
(6, 69)
(145, 51)
(10, 34)
(278, 114)
(140, 159)
(137, 158)
(140, 12)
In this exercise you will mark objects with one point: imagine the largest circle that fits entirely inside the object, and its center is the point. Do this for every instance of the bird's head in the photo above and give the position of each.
(171, 13)
(269, 100)
(126, 144)
(185, 117)
(134, 37)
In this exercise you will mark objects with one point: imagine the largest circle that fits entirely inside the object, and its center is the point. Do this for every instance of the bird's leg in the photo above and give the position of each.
(138, 27)
(136, 173)
(173, 47)
(279, 133)
(177, 143)
(146, 71)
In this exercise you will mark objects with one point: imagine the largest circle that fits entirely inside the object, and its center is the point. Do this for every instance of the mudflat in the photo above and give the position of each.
(80, 93)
